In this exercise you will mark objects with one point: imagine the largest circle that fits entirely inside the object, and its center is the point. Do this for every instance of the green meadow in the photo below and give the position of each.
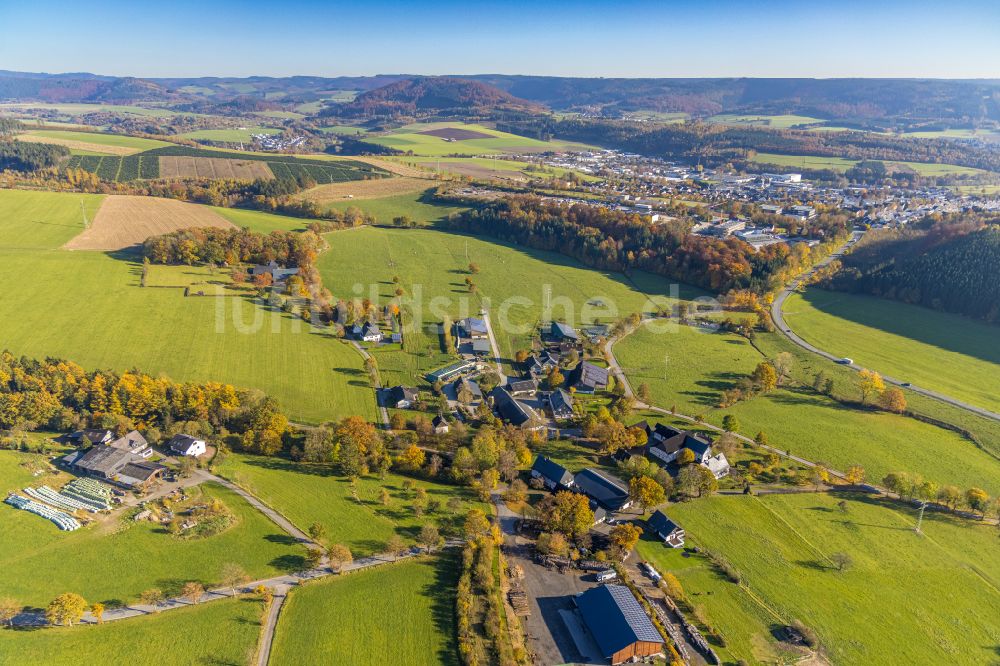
(778, 122)
(907, 598)
(392, 614)
(841, 164)
(522, 288)
(116, 140)
(220, 632)
(948, 353)
(689, 369)
(306, 493)
(115, 559)
(89, 307)
(411, 138)
(415, 205)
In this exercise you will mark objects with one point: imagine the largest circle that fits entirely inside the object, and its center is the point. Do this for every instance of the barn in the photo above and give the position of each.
(619, 625)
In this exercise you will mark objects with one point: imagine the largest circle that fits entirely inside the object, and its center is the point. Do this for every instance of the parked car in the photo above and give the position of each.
(846, 361)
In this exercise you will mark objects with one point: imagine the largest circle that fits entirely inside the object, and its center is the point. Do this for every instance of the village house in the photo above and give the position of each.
(665, 443)
(472, 328)
(367, 332)
(91, 437)
(609, 493)
(186, 445)
(440, 425)
(400, 397)
(552, 474)
(514, 411)
(588, 378)
(666, 529)
(463, 384)
(541, 363)
(520, 387)
(560, 332)
(561, 405)
(481, 347)
(277, 273)
(717, 465)
(620, 627)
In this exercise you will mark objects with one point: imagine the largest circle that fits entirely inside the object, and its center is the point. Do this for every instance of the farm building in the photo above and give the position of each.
(666, 443)
(522, 387)
(400, 397)
(542, 362)
(561, 404)
(718, 465)
(481, 347)
(186, 445)
(277, 273)
(609, 493)
(367, 332)
(464, 384)
(133, 443)
(451, 371)
(440, 425)
(560, 332)
(514, 411)
(666, 529)
(472, 328)
(619, 625)
(90, 437)
(588, 378)
(552, 474)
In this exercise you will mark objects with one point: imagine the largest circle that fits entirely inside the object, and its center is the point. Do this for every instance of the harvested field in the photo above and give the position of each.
(456, 134)
(477, 170)
(124, 221)
(213, 167)
(393, 167)
(79, 145)
(365, 189)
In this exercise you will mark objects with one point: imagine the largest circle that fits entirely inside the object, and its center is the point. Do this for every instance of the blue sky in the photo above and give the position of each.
(916, 38)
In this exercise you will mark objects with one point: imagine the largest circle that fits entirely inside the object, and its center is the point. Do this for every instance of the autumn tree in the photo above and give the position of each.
(193, 591)
(395, 546)
(97, 611)
(555, 379)
(783, 363)
(233, 575)
(870, 384)
(730, 423)
(317, 531)
(476, 523)
(411, 459)
(764, 377)
(977, 499)
(643, 393)
(152, 597)
(842, 561)
(646, 492)
(566, 512)
(430, 537)
(625, 536)
(855, 474)
(893, 400)
(357, 442)
(67, 609)
(339, 556)
(685, 457)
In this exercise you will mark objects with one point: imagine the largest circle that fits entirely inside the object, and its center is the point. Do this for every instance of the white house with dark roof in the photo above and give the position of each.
(186, 445)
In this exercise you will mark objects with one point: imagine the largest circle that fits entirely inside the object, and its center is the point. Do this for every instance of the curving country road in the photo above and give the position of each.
(779, 322)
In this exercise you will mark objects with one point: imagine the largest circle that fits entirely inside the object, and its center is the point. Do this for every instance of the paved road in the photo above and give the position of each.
(270, 622)
(779, 321)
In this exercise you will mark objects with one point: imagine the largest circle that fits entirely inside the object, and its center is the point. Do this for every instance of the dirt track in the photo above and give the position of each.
(124, 221)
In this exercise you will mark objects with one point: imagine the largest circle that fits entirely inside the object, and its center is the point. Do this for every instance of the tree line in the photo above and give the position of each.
(60, 395)
(29, 157)
(613, 240)
(938, 263)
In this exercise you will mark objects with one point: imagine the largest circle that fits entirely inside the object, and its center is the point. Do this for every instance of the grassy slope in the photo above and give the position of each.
(264, 223)
(222, 632)
(700, 365)
(433, 264)
(398, 613)
(103, 139)
(841, 164)
(410, 138)
(934, 350)
(103, 564)
(907, 599)
(308, 493)
(413, 204)
(79, 304)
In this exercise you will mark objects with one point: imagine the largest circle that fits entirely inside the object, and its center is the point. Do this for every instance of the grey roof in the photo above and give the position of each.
(590, 375)
(92, 435)
(104, 459)
(477, 393)
(615, 618)
(521, 385)
(139, 472)
(133, 441)
(450, 370)
(662, 525)
(552, 471)
(473, 326)
(606, 491)
(400, 393)
(561, 403)
(511, 410)
(564, 331)
(481, 346)
(181, 443)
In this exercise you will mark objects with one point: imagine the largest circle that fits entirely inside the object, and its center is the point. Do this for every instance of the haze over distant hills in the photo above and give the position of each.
(953, 101)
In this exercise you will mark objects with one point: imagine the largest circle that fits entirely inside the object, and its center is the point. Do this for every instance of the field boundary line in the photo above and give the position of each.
(794, 531)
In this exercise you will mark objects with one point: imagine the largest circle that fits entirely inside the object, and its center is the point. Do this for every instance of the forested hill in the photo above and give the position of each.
(431, 94)
(951, 266)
